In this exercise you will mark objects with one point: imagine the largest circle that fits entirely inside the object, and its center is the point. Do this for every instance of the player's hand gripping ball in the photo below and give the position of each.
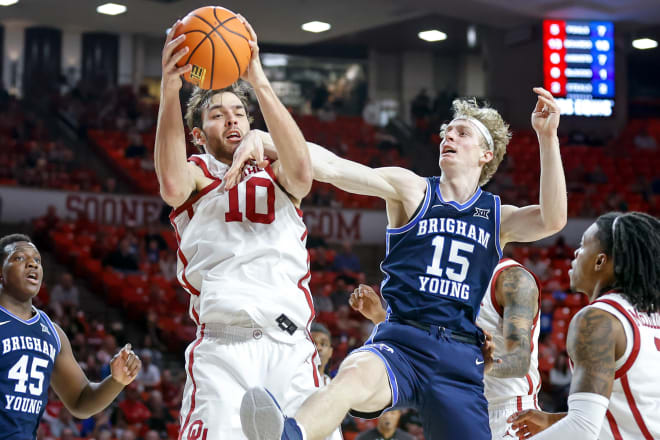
(218, 47)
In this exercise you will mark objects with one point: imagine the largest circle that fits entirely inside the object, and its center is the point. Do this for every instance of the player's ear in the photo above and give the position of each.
(486, 156)
(601, 262)
(199, 138)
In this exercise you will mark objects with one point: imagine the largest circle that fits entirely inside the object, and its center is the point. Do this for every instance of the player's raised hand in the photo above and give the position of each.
(251, 148)
(254, 74)
(531, 421)
(171, 73)
(545, 117)
(365, 300)
(125, 365)
(488, 350)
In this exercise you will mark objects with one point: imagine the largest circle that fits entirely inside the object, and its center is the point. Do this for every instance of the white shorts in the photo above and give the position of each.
(223, 362)
(499, 412)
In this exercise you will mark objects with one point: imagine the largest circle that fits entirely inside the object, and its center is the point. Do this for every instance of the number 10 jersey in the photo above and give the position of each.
(437, 266)
(242, 254)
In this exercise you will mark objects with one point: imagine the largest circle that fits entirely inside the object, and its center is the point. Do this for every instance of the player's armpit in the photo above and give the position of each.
(591, 344)
(517, 292)
(525, 224)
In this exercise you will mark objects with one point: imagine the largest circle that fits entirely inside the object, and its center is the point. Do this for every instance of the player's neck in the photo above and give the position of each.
(21, 309)
(458, 188)
(387, 434)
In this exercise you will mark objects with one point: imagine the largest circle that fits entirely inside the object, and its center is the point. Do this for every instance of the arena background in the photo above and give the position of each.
(77, 124)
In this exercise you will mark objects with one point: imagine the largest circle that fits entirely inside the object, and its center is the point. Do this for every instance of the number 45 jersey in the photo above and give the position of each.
(242, 254)
(28, 350)
(437, 266)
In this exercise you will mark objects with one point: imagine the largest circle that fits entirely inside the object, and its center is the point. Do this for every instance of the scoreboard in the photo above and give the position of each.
(578, 66)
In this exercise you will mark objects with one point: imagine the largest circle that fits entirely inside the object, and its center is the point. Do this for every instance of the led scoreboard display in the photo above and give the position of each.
(578, 65)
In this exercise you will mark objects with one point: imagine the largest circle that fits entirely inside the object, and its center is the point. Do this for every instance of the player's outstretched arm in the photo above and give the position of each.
(534, 222)
(591, 343)
(393, 184)
(82, 397)
(296, 167)
(516, 291)
(172, 169)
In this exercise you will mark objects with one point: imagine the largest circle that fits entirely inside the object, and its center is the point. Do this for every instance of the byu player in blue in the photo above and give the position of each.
(445, 236)
(35, 352)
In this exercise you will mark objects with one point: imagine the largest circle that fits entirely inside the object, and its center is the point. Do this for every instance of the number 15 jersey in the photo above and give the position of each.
(242, 254)
(437, 266)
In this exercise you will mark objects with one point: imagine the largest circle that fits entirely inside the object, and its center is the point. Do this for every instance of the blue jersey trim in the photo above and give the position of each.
(30, 321)
(52, 327)
(394, 385)
(420, 214)
(497, 225)
(457, 205)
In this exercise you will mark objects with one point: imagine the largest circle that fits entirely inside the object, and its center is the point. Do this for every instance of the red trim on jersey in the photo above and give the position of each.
(271, 173)
(613, 426)
(531, 385)
(636, 338)
(633, 407)
(200, 163)
(190, 371)
(304, 236)
(194, 313)
(188, 204)
(184, 281)
(310, 303)
(186, 284)
(519, 403)
(536, 400)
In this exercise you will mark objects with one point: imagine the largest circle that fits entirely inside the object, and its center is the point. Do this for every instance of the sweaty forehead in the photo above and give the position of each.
(590, 235)
(20, 246)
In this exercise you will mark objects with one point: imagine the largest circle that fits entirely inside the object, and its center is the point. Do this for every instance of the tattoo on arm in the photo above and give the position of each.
(520, 294)
(591, 345)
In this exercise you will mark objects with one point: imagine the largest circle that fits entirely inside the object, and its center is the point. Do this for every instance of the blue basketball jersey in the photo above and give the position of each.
(27, 355)
(437, 267)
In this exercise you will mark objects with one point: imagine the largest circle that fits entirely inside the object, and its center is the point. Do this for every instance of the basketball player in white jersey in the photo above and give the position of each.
(613, 343)
(510, 313)
(241, 253)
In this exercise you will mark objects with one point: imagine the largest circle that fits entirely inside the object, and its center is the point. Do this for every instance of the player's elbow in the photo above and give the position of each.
(172, 194)
(557, 223)
(521, 368)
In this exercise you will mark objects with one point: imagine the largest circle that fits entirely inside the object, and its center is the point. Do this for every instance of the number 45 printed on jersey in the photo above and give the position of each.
(234, 214)
(452, 287)
(19, 373)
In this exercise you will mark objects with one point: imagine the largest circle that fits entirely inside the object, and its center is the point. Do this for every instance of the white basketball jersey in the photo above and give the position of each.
(634, 408)
(242, 254)
(491, 319)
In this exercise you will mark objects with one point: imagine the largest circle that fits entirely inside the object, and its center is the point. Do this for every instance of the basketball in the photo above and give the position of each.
(218, 47)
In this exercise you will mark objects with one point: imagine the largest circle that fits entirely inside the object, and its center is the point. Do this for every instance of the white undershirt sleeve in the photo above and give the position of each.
(586, 413)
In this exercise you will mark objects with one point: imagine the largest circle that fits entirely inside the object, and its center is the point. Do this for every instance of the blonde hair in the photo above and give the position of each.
(498, 129)
(200, 100)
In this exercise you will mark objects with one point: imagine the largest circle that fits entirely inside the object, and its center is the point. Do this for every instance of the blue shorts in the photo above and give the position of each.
(437, 376)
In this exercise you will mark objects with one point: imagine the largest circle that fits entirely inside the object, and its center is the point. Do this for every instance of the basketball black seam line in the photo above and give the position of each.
(222, 23)
(197, 47)
(198, 44)
(214, 30)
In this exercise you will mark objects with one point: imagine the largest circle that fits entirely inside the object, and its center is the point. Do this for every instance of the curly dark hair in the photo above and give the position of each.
(633, 241)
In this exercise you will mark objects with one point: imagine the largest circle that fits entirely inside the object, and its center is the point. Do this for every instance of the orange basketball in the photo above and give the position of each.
(218, 47)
